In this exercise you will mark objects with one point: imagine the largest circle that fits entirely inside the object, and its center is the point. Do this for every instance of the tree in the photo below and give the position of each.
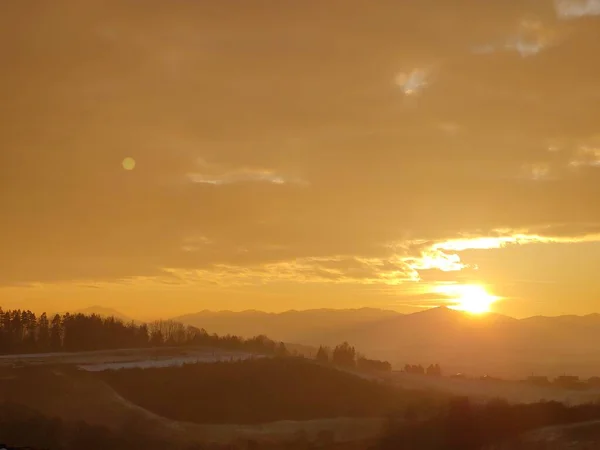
(3, 334)
(16, 330)
(21, 331)
(413, 369)
(56, 334)
(594, 382)
(156, 338)
(281, 350)
(322, 354)
(434, 370)
(142, 336)
(373, 365)
(344, 355)
(43, 335)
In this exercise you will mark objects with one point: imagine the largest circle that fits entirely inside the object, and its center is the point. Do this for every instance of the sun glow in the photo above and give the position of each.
(470, 298)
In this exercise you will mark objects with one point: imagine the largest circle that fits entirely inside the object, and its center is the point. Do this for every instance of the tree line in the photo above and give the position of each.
(345, 355)
(23, 428)
(565, 382)
(463, 425)
(257, 391)
(21, 331)
(431, 370)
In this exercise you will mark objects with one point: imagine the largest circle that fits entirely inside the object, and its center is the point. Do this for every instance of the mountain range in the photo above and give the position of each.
(289, 326)
(491, 344)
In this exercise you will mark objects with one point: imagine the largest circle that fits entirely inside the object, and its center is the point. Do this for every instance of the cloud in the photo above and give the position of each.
(528, 39)
(541, 235)
(228, 113)
(412, 82)
(337, 270)
(239, 177)
(571, 9)
(218, 174)
(537, 171)
(586, 156)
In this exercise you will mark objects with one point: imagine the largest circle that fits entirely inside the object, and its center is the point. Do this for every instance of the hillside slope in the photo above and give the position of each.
(257, 391)
(76, 396)
(490, 344)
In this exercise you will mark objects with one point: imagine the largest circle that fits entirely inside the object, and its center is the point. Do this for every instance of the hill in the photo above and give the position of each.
(488, 344)
(257, 391)
(290, 398)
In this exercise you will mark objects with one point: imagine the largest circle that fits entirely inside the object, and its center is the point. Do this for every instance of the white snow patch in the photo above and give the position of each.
(167, 362)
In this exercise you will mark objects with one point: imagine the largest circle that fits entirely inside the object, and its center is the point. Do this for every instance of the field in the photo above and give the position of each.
(57, 389)
(176, 356)
(68, 386)
(483, 390)
(127, 358)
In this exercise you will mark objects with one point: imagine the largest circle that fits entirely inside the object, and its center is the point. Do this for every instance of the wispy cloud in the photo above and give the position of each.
(436, 258)
(217, 175)
(335, 269)
(506, 238)
(412, 82)
(571, 9)
(537, 171)
(586, 155)
(530, 38)
(239, 177)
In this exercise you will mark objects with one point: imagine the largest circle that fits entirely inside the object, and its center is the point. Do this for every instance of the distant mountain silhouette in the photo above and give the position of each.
(492, 343)
(104, 312)
(488, 344)
(291, 326)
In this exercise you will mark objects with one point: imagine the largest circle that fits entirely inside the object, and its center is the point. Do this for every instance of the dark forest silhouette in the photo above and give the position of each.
(257, 391)
(458, 425)
(345, 355)
(21, 427)
(463, 425)
(21, 331)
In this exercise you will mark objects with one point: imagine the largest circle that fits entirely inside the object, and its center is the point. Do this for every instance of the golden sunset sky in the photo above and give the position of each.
(167, 156)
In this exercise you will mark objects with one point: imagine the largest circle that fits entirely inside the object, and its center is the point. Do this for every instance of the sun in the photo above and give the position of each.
(470, 298)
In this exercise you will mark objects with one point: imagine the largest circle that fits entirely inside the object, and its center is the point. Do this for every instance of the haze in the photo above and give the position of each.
(167, 157)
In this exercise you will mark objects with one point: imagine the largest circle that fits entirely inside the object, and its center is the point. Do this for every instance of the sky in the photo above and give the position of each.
(164, 157)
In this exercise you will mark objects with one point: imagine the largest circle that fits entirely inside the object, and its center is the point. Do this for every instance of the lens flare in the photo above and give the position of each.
(128, 163)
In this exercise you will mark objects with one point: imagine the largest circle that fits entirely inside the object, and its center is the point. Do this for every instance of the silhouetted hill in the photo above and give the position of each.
(258, 391)
(492, 343)
(290, 326)
(487, 344)
(216, 400)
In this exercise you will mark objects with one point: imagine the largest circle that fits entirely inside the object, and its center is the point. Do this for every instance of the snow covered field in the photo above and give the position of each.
(168, 362)
(128, 358)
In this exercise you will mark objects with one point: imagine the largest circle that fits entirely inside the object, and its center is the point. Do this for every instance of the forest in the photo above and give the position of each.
(463, 425)
(455, 425)
(257, 391)
(24, 332)
(345, 355)
(24, 427)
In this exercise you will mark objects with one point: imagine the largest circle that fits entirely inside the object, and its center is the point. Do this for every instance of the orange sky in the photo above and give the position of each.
(299, 154)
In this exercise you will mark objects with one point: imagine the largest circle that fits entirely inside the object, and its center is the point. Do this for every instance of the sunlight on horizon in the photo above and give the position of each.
(470, 298)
